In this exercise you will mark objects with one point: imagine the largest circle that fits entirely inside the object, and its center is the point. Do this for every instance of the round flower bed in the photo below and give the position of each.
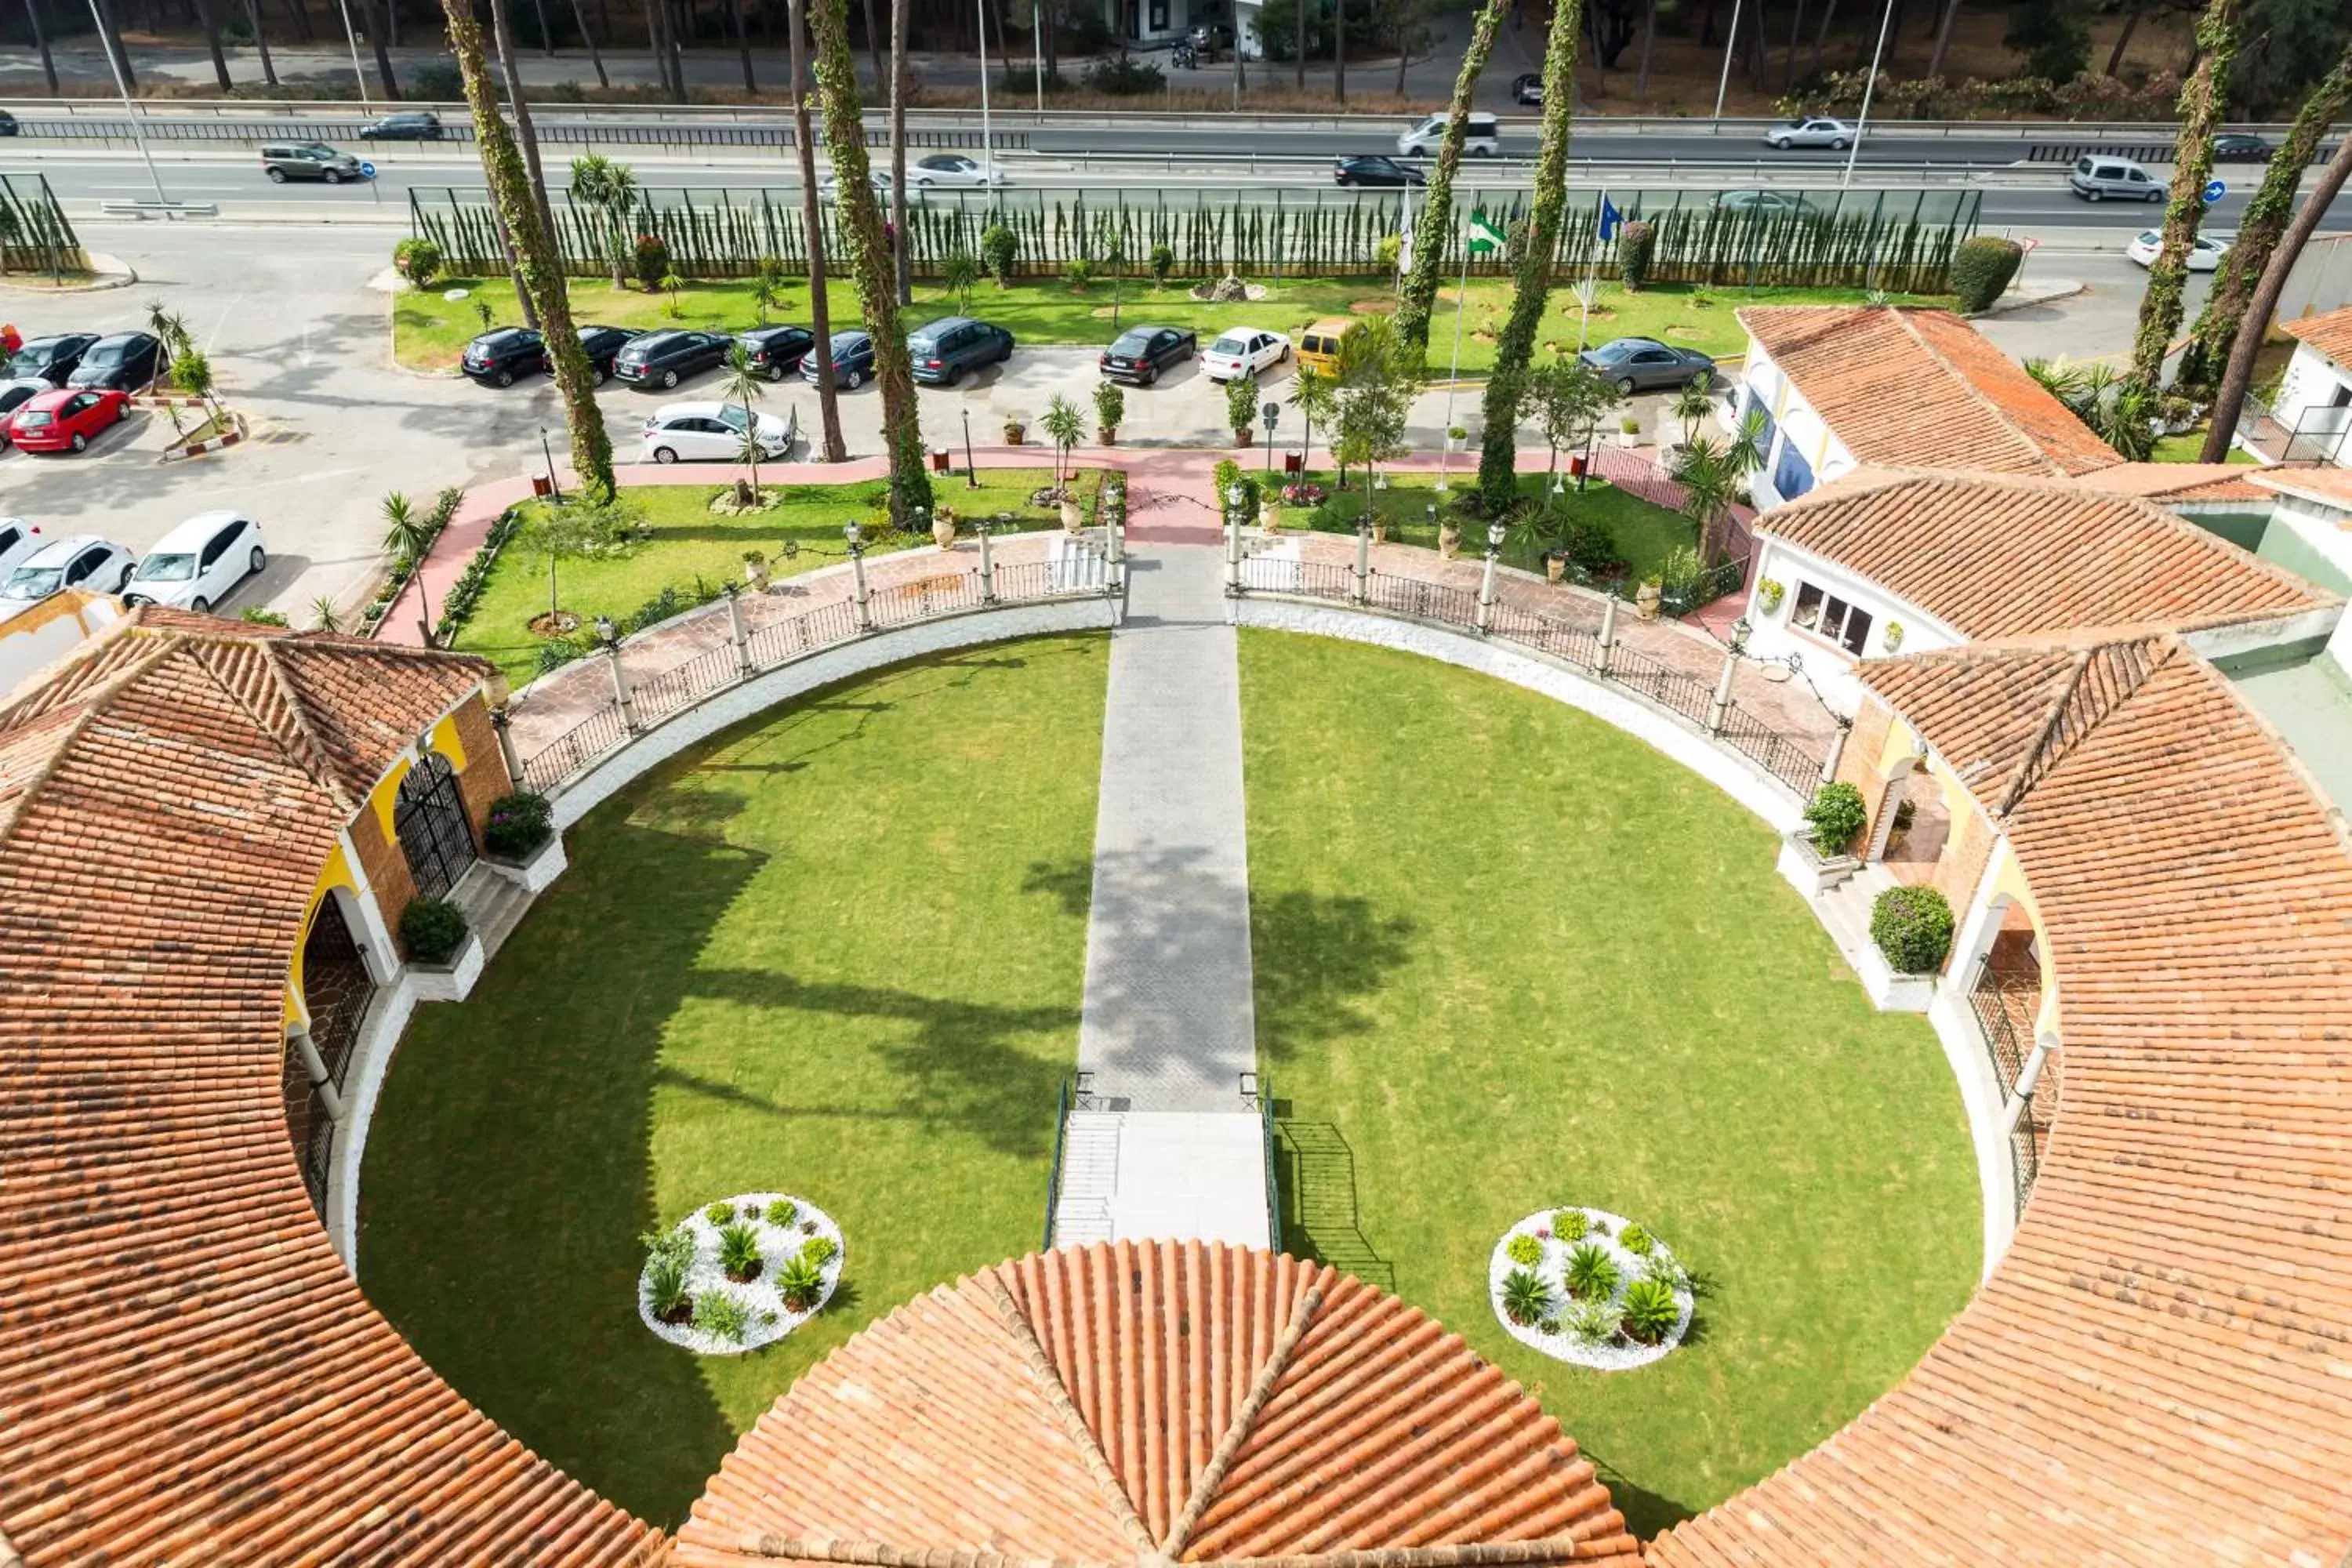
(739, 1274)
(1590, 1288)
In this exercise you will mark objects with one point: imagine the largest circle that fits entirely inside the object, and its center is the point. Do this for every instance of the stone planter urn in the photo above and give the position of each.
(1555, 568)
(1449, 540)
(1244, 436)
(1269, 518)
(1074, 516)
(1646, 599)
(943, 527)
(1013, 430)
(1106, 435)
(1380, 532)
(755, 574)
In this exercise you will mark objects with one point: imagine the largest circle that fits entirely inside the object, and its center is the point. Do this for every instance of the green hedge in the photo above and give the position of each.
(1913, 927)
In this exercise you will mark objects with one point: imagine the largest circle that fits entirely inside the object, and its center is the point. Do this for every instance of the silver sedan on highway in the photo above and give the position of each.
(1811, 130)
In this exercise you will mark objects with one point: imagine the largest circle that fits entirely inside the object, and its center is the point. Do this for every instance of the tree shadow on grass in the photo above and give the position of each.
(1646, 1512)
(1317, 957)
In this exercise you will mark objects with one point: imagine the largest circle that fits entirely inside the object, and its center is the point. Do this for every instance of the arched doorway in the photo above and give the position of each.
(336, 986)
(429, 818)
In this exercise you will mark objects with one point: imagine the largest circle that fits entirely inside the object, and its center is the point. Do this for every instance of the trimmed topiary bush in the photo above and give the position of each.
(999, 248)
(418, 261)
(1983, 267)
(1637, 246)
(1837, 816)
(430, 930)
(517, 825)
(1913, 927)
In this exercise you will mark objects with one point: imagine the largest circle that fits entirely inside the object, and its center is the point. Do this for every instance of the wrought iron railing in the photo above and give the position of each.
(1054, 1171)
(1080, 572)
(1992, 1001)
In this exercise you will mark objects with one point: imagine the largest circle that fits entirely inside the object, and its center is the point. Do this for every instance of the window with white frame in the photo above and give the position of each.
(1831, 618)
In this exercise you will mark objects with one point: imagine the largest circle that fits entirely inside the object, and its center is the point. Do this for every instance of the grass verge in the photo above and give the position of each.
(1645, 533)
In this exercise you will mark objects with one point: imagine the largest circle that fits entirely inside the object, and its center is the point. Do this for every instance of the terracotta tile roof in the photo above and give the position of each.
(1922, 388)
(1184, 1400)
(188, 1372)
(2331, 335)
(2156, 1371)
(2177, 481)
(2327, 484)
(1998, 556)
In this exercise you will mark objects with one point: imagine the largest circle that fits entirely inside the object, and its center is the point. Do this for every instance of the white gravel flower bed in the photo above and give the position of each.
(770, 1319)
(1618, 1354)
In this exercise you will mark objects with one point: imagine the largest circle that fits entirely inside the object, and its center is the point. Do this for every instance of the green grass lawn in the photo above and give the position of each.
(428, 330)
(1646, 534)
(818, 955)
(1511, 958)
(690, 542)
(2189, 445)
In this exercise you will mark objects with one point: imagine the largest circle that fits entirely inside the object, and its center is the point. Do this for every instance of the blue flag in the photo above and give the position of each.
(1609, 218)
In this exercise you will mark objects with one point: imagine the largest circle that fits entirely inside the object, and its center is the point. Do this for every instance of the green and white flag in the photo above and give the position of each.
(1485, 233)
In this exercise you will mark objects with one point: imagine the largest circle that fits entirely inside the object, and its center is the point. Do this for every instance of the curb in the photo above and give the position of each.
(237, 431)
(112, 272)
(164, 400)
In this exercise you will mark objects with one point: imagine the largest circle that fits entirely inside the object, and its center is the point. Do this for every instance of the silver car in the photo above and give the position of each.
(1811, 130)
(2096, 177)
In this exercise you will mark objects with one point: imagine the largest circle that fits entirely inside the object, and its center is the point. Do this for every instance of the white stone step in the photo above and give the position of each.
(494, 904)
(1089, 1178)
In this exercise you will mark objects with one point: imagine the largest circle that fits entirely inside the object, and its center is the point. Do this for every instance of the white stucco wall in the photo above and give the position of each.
(1798, 424)
(1829, 665)
(2310, 387)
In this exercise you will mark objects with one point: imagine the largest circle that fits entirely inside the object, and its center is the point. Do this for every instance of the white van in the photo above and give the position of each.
(1482, 138)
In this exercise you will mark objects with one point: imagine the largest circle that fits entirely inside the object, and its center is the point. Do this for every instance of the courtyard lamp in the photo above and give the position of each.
(1741, 629)
(605, 634)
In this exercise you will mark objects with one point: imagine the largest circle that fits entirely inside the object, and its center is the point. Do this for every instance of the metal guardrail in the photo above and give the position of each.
(461, 133)
(1054, 1171)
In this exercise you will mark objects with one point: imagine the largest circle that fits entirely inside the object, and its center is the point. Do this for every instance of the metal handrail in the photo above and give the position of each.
(1054, 1172)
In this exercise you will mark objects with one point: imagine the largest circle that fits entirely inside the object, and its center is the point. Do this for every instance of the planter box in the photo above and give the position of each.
(1808, 872)
(453, 981)
(533, 875)
(1890, 990)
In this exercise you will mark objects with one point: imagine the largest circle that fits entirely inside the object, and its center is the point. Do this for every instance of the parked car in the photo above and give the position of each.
(125, 361)
(7, 123)
(1770, 204)
(503, 353)
(284, 161)
(2241, 147)
(1139, 354)
(18, 539)
(196, 565)
(665, 358)
(1244, 351)
(828, 188)
(852, 354)
(2204, 255)
(67, 419)
(945, 349)
(1482, 136)
(1373, 169)
(14, 395)
(1811, 130)
(1645, 364)
(2096, 176)
(711, 432)
(414, 125)
(1528, 88)
(953, 169)
(78, 561)
(775, 352)
(603, 345)
(51, 359)
(1322, 344)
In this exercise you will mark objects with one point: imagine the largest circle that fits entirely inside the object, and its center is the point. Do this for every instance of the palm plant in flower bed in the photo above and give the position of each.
(1525, 1297)
(1592, 1273)
(799, 1282)
(1651, 1310)
(739, 1252)
(716, 1313)
(666, 1286)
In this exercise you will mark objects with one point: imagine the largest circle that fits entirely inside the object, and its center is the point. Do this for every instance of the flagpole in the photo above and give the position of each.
(1591, 271)
(1454, 375)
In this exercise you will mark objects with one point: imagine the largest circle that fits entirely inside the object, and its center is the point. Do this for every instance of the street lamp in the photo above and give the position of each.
(1741, 629)
(605, 634)
(970, 468)
(1495, 534)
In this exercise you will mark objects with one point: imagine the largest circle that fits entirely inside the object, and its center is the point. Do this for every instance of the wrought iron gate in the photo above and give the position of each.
(430, 820)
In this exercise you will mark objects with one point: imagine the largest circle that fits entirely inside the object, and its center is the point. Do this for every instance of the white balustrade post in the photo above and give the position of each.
(315, 1067)
(502, 724)
(1837, 749)
(987, 566)
(621, 696)
(859, 596)
(1486, 583)
(735, 632)
(1720, 706)
(1608, 635)
(1364, 559)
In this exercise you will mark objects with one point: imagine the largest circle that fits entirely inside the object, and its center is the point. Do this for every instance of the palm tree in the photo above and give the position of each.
(537, 263)
(870, 266)
(828, 408)
(741, 385)
(324, 617)
(1692, 404)
(1067, 426)
(1437, 221)
(2239, 376)
(609, 189)
(408, 536)
(1311, 392)
(958, 273)
(1704, 471)
(1531, 278)
(2202, 101)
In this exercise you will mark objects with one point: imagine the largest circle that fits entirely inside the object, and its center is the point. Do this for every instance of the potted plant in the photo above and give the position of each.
(1769, 595)
(755, 570)
(1892, 635)
(943, 526)
(1110, 407)
(1241, 407)
(1457, 436)
(517, 826)
(1015, 426)
(1269, 514)
(1648, 597)
(1449, 539)
(1835, 819)
(1074, 516)
(1379, 529)
(1629, 430)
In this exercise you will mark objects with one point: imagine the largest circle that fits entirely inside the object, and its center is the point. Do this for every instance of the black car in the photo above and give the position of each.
(7, 123)
(1526, 88)
(414, 126)
(776, 351)
(503, 353)
(125, 361)
(853, 360)
(1645, 364)
(1139, 354)
(2241, 147)
(1373, 170)
(603, 345)
(665, 358)
(52, 359)
(943, 349)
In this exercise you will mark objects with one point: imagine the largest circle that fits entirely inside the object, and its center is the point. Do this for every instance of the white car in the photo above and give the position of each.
(18, 539)
(1242, 351)
(198, 564)
(2205, 256)
(78, 561)
(951, 169)
(1811, 130)
(829, 187)
(24, 389)
(709, 433)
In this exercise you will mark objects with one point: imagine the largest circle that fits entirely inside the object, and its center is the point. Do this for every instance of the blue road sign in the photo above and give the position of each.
(2214, 191)
(367, 172)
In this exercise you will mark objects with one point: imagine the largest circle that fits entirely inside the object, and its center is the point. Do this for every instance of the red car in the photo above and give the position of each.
(67, 419)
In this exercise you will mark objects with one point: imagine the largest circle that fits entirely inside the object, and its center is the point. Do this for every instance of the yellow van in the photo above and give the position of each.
(1319, 345)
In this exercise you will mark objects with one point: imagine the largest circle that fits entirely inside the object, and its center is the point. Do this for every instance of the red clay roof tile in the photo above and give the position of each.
(2331, 333)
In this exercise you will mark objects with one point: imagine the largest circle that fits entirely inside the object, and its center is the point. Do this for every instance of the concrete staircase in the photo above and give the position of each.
(494, 901)
(1089, 1185)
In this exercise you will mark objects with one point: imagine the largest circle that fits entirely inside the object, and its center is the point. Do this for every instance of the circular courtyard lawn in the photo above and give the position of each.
(837, 951)
(1509, 958)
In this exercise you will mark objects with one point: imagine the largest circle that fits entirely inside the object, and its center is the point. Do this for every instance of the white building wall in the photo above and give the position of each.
(2312, 384)
(1797, 425)
(1828, 665)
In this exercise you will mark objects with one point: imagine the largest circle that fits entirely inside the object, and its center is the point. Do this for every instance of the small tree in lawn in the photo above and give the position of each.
(1067, 427)
(958, 273)
(765, 292)
(609, 189)
(999, 248)
(408, 535)
(1378, 379)
(1570, 398)
(574, 528)
(1710, 473)
(671, 283)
